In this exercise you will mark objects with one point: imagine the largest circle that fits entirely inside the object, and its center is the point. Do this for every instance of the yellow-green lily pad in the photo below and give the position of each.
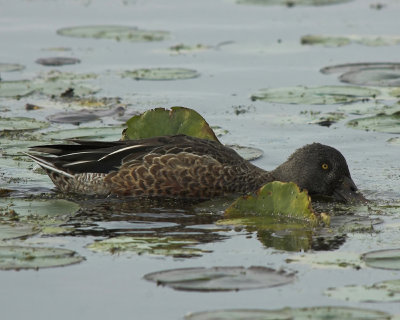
(118, 33)
(314, 313)
(385, 291)
(279, 199)
(18, 124)
(347, 67)
(10, 67)
(88, 133)
(18, 88)
(383, 259)
(161, 74)
(292, 3)
(161, 122)
(220, 278)
(316, 95)
(389, 123)
(17, 258)
(164, 246)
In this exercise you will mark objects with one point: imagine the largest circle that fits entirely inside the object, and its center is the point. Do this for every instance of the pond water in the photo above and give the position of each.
(213, 56)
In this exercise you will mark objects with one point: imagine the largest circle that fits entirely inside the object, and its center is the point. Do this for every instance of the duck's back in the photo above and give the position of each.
(173, 166)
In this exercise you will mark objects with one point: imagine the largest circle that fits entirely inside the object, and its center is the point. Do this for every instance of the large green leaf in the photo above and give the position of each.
(276, 199)
(161, 122)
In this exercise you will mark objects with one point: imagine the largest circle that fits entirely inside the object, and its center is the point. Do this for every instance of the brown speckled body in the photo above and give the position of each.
(175, 166)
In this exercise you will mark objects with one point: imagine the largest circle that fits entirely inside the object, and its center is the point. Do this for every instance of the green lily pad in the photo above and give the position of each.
(10, 67)
(389, 123)
(327, 41)
(45, 207)
(21, 124)
(160, 122)
(57, 61)
(394, 141)
(164, 246)
(385, 291)
(347, 67)
(17, 258)
(329, 260)
(161, 74)
(291, 3)
(383, 259)
(220, 278)
(338, 41)
(13, 231)
(184, 48)
(369, 107)
(379, 77)
(277, 199)
(248, 153)
(314, 313)
(119, 33)
(316, 95)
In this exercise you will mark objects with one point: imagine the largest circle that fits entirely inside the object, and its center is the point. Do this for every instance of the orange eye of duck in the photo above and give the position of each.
(325, 166)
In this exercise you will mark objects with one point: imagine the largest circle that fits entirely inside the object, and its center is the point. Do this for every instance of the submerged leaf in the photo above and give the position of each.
(284, 200)
(17, 258)
(337, 41)
(220, 278)
(291, 3)
(9, 67)
(21, 124)
(161, 122)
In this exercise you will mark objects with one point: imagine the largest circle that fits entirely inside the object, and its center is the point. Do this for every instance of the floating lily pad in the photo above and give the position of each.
(385, 291)
(316, 95)
(19, 88)
(45, 207)
(220, 278)
(119, 33)
(160, 122)
(347, 67)
(57, 61)
(315, 313)
(21, 124)
(383, 259)
(329, 260)
(13, 231)
(248, 153)
(164, 246)
(389, 123)
(161, 74)
(379, 77)
(184, 48)
(369, 107)
(9, 67)
(84, 115)
(338, 41)
(17, 258)
(291, 3)
(276, 199)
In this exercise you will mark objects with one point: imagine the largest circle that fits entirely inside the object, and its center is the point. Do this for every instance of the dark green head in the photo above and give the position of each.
(321, 170)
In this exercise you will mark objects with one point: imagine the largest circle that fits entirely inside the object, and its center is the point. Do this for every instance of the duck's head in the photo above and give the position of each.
(322, 171)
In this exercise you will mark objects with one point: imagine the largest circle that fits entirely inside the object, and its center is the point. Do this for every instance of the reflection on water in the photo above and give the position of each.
(200, 223)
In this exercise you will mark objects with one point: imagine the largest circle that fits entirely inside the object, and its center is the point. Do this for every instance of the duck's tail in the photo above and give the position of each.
(48, 166)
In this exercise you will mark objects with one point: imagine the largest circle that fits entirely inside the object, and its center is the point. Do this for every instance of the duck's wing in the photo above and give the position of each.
(103, 157)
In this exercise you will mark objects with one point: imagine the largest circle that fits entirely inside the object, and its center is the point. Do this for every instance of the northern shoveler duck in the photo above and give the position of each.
(186, 167)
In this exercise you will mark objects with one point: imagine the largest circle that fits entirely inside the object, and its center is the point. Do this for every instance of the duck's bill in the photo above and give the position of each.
(347, 192)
